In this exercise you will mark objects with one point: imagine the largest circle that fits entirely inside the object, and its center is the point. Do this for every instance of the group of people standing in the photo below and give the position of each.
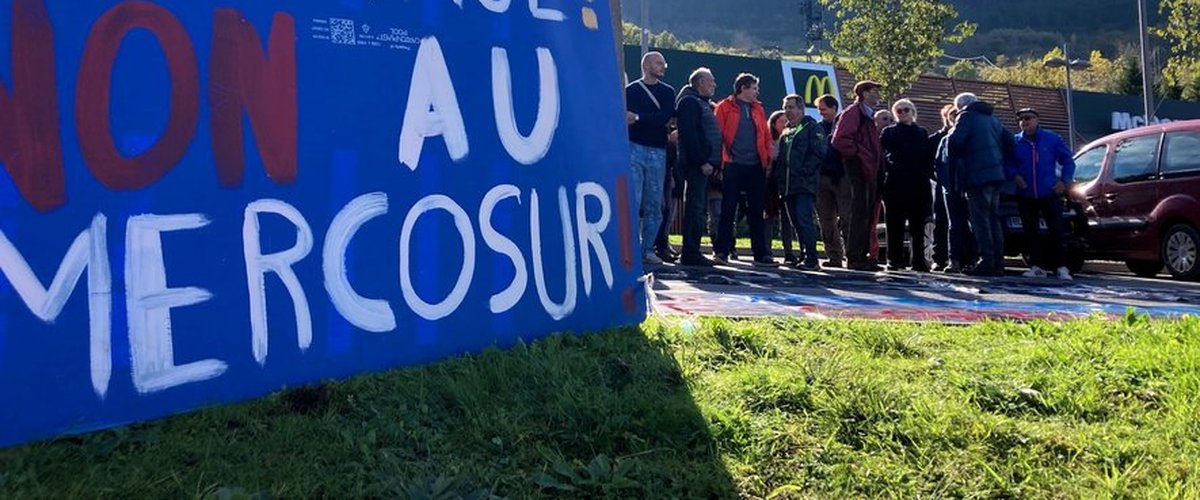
(835, 177)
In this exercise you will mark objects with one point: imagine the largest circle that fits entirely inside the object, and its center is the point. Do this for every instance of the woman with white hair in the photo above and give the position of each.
(907, 197)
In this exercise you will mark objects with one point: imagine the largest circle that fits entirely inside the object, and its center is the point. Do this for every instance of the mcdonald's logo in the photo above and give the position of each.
(817, 86)
(810, 81)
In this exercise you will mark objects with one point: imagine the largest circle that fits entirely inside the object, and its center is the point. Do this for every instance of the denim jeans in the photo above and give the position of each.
(647, 178)
(801, 211)
(983, 203)
(941, 227)
(962, 240)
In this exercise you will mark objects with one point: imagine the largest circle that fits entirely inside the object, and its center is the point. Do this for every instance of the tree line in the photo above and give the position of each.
(863, 38)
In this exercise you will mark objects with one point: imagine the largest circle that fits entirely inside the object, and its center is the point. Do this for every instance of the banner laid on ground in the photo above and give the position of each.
(204, 202)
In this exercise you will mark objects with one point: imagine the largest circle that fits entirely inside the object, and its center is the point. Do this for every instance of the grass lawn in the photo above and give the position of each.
(768, 408)
(741, 243)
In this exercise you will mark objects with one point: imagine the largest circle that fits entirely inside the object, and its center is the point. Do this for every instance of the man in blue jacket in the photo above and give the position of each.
(1040, 189)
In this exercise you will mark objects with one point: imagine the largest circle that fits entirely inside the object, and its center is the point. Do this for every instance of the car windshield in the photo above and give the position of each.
(1087, 164)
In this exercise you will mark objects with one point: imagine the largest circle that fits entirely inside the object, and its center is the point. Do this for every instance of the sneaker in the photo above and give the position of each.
(808, 266)
(1034, 272)
(1065, 274)
(720, 258)
(651, 259)
(696, 261)
(765, 261)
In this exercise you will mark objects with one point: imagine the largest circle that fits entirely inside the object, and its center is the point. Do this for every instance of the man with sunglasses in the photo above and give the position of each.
(1034, 168)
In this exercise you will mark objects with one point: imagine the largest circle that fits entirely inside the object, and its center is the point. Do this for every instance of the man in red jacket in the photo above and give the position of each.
(746, 153)
(856, 139)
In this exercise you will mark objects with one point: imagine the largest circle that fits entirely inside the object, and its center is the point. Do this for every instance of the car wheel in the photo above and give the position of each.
(1144, 268)
(1179, 251)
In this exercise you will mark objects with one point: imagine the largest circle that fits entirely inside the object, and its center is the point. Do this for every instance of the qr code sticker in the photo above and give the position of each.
(341, 31)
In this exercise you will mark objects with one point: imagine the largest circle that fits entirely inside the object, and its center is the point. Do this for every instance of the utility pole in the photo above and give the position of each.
(1067, 62)
(1147, 85)
(1070, 101)
(614, 10)
(645, 26)
(815, 32)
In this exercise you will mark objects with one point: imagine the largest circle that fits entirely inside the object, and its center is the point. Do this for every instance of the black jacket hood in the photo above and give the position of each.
(982, 108)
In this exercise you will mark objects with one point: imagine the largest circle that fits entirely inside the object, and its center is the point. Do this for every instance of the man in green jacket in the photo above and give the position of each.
(798, 171)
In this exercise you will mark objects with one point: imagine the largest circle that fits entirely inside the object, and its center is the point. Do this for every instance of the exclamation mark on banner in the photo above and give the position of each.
(589, 17)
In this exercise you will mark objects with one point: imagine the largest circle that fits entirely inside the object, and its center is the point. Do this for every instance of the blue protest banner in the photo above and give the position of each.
(204, 202)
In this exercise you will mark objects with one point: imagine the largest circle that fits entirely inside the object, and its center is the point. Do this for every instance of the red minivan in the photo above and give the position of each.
(1141, 191)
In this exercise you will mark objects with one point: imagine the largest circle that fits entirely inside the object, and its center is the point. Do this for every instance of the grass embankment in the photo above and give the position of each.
(763, 408)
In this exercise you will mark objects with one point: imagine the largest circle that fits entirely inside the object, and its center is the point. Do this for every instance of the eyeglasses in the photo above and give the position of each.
(903, 111)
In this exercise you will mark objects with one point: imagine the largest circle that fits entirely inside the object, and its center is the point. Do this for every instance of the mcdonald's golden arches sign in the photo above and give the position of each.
(810, 81)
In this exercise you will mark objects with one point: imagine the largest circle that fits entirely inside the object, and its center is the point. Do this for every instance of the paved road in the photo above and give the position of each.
(742, 290)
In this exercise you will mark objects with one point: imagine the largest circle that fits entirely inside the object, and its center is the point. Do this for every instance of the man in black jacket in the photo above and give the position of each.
(699, 152)
(982, 144)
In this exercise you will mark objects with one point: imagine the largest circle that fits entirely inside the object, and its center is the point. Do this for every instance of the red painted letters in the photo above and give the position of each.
(92, 96)
(241, 77)
(30, 147)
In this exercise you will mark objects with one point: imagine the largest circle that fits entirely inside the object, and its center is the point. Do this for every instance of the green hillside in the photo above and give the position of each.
(1013, 28)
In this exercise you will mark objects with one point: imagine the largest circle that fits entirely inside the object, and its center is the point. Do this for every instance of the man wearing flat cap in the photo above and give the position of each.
(856, 139)
(1035, 169)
